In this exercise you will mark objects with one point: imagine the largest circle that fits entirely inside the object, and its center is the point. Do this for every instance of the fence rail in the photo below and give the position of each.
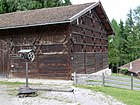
(113, 81)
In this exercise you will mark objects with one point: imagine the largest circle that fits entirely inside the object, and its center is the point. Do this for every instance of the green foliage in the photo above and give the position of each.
(121, 75)
(124, 71)
(7, 6)
(11, 83)
(128, 97)
(124, 47)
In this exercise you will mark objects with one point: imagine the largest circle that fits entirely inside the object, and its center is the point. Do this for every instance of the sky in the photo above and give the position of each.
(115, 9)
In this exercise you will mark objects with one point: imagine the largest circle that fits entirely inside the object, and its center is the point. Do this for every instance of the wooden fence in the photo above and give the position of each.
(113, 81)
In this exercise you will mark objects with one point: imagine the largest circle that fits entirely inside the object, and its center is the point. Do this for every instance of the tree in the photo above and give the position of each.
(125, 46)
(52, 3)
(67, 2)
(114, 46)
(7, 6)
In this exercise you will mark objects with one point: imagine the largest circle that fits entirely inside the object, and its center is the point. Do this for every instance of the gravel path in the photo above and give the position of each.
(80, 96)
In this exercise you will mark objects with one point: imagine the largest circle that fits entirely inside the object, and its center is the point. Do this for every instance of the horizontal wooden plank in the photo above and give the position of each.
(23, 68)
(80, 71)
(105, 66)
(53, 68)
(136, 85)
(113, 81)
(94, 83)
(118, 86)
(49, 56)
(52, 48)
(80, 56)
(123, 83)
(53, 64)
(89, 76)
(81, 82)
(90, 54)
(54, 75)
(78, 68)
(90, 28)
(134, 88)
(52, 58)
(89, 66)
(77, 61)
(136, 80)
(117, 78)
(88, 83)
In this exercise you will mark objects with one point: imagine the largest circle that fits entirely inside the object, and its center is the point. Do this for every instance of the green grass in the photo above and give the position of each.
(121, 75)
(128, 97)
(17, 83)
(11, 83)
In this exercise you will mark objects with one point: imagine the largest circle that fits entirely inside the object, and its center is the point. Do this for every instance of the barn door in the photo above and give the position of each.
(3, 58)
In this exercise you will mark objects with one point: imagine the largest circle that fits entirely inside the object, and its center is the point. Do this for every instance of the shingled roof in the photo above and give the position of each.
(133, 66)
(47, 16)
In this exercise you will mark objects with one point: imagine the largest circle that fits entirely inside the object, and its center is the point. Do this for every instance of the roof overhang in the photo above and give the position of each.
(33, 25)
(104, 20)
(83, 12)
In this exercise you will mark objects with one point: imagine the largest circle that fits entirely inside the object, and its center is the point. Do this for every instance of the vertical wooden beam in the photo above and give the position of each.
(69, 52)
(77, 20)
(75, 78)
(7, 59)
(95, 61)
(90, 11)
(131, 81)
(37, 56)
(85, 62)
(3, 60)
(103, 77)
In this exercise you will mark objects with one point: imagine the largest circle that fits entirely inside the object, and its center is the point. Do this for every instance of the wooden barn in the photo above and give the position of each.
(65, 39)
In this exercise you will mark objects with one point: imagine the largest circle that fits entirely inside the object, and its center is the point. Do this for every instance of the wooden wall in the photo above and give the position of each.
(4, 56)
(81, 46)
(89, 44)
(50, 45)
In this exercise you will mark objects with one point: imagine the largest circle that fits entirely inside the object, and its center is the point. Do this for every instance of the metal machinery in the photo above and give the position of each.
(28, 55)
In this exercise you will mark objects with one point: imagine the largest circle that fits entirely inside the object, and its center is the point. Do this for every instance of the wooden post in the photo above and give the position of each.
(85, 63)
(26, 74)
(75, 78)
(103, 76)
(131, 81)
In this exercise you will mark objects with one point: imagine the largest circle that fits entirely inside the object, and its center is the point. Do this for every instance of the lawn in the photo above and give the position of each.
(128, 97)
(121, 75)
(11, 83)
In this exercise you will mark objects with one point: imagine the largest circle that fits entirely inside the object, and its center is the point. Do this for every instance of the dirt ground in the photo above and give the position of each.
(8, 94)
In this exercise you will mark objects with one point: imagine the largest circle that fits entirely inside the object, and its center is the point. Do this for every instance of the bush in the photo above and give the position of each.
(124, 71)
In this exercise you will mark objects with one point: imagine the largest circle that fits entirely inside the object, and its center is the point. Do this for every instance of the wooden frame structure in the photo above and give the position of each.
(76, 43)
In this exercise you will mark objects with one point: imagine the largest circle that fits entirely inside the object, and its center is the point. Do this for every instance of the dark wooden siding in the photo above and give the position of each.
(81, 46)
(50, 45)
(4, 56)
(89, 44)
